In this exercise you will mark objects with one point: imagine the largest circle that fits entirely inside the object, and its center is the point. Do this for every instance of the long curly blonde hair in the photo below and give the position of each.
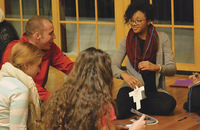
(85, 97)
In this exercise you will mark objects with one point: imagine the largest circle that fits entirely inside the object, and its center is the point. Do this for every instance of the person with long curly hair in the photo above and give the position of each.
(84, 102)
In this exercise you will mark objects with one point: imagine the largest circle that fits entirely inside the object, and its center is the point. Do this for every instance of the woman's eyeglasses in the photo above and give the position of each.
(136, 21)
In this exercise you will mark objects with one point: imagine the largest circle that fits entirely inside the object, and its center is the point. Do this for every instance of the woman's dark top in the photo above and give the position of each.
(150, 77)
(7, 35)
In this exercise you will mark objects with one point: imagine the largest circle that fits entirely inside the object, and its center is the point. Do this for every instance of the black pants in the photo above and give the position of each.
(194, 100)
(156, 103)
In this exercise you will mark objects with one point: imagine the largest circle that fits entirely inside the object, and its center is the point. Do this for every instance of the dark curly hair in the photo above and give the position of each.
(86, 96)
(139, 5)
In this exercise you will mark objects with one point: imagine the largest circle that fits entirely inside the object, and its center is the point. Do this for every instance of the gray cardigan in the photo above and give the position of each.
(164, 58)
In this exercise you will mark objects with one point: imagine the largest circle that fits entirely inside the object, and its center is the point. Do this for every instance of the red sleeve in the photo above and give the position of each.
(59, 60)
(112, 114)
(43, 93)
(112, 117)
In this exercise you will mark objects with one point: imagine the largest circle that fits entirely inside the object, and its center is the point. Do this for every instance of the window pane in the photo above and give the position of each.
(68, 10)
(168, 31)
(12, 9)
(106, 10)
(24, 26)
(69, 39)
(183, 12)
(87, 36)
(136, 0)
(86, 10)
(29, 8)
(163, 11)
(45, 8)
(17, 27)
(184, 45)
(106, 37)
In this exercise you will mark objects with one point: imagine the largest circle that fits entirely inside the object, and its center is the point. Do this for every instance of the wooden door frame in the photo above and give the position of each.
(2, 5)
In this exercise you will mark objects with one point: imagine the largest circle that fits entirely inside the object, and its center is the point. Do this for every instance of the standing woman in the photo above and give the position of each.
(84, 102)
(19, 99)
(149, 59)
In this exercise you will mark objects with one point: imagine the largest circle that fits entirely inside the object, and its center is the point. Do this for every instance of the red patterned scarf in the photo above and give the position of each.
(150, 47)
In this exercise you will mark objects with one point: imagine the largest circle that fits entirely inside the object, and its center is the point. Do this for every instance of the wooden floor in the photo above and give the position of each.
(170, 122)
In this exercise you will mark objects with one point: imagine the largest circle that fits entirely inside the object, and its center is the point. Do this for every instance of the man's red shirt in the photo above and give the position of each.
(54, 57)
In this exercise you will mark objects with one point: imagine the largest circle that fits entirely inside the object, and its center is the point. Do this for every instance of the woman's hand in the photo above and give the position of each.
(131, 80)
(195, 77)
(147, 65)
(140, 124)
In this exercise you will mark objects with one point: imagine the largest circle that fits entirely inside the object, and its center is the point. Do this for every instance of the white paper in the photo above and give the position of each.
(137, 96)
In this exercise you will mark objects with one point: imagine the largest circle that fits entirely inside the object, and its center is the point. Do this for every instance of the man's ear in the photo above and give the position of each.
(37, 35)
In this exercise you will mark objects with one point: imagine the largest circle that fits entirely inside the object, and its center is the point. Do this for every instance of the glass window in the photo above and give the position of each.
(87, 36)
(45, 8)
(17, 26)
(67, 10)
(24, 26)
(184, 45)
(106, 38)
(86, 10)
(29, 8)
(136, 0)
(87, 32)
(183, 12)
(106, 10)
(168, 31)
(12, 9)
(162, 11)
(69, 39)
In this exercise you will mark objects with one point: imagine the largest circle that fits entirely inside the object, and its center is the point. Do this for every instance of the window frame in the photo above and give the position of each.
(121, 29)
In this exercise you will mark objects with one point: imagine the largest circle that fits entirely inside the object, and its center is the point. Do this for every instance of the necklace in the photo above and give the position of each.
(146, 49)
